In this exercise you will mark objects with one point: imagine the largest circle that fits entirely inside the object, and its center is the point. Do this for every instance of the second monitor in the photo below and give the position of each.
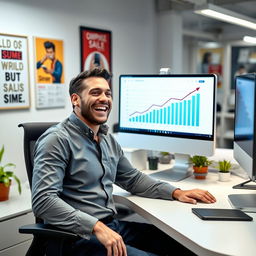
(173, 113)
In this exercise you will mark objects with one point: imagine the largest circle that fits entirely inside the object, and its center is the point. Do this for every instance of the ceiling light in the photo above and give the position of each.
(222, 14)
(250, 39)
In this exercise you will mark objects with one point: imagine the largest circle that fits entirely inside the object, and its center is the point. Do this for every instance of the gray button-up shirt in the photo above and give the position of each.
(73, 177)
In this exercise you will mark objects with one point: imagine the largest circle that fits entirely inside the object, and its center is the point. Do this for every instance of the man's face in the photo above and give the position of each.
(50, 53)
(95, 101)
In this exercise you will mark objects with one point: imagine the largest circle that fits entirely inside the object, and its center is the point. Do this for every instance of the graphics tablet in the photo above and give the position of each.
(221, 214)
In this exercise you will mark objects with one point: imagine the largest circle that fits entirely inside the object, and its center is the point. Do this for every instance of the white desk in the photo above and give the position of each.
(202, 237)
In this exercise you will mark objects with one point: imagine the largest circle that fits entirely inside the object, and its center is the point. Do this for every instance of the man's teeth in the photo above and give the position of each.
(101, 108)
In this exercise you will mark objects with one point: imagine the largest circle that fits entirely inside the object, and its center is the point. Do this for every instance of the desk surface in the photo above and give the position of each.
(17, 204)
(202, 237)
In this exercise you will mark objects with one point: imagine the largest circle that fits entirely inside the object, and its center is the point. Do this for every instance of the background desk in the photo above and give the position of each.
(14, 213)
(202, 237)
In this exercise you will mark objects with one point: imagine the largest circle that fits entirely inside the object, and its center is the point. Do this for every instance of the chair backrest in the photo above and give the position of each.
(32, 131)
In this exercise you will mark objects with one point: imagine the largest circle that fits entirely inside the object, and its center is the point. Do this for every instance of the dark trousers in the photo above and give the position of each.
(141, 239)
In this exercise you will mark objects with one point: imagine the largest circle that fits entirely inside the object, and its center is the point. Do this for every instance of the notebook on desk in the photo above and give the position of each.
(221, 214)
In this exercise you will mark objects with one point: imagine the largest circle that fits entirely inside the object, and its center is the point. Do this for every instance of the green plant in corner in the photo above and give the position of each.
(200, 161)
(163, 153)
(224, 166)
(6, 174)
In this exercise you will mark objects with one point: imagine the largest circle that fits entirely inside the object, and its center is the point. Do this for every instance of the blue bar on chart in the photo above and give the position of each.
(180, 119)
(172, 117)
(186, 113)
(197, 108)
(193, 110)
(176, 112)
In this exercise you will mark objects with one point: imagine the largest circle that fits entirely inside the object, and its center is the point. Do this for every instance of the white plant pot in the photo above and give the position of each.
(224, 176)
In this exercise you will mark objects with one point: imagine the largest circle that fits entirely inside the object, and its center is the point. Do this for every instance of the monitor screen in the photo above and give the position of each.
(174, 113)
(244, 130)
(245, 139)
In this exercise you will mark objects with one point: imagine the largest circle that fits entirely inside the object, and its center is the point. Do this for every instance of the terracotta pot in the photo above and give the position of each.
(200, 172)
(4, 192)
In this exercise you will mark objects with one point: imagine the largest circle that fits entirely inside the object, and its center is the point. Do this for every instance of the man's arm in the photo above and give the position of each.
(141, 184)
(50, 162)
(57, 72)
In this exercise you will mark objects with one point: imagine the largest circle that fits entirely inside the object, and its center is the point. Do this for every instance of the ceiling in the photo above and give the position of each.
(192, 21)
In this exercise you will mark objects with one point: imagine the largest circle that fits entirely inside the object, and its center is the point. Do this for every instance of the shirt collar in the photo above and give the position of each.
(85, 128)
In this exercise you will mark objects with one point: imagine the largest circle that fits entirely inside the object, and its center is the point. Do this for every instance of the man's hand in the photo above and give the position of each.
(194, 195)
(44, 59)
(110, 239)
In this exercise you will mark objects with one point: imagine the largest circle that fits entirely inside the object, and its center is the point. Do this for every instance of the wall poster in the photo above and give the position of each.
(211, 62)
(95, 48)
(243, 60)
(49, 73)
(14, 72)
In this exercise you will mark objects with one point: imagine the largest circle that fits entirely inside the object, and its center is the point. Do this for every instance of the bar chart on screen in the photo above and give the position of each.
(176, 104)
(174, 111)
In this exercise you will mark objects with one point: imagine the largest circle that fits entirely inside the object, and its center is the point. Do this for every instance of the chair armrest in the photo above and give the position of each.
(47, 230)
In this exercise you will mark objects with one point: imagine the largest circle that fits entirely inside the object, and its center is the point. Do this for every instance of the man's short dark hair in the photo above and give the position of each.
(48, 45)
(76, 84)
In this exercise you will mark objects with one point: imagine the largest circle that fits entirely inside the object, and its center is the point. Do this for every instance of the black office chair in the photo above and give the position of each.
(47, 240)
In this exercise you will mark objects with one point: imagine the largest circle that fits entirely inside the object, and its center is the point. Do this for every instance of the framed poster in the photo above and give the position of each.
(95, 48)
(14, 72)
(243, 60)
(211, 62)
(49, 73)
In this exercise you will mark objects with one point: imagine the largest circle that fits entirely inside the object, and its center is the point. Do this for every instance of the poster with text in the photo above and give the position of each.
(49, 73)
(95, 48)
(14, 72)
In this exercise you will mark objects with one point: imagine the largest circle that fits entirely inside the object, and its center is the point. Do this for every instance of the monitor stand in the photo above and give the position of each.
(179, 171)
(244, 202)
(244, 185)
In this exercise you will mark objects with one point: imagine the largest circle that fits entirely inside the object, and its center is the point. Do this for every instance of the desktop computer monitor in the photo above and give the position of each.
(173, 113)
(245, 139)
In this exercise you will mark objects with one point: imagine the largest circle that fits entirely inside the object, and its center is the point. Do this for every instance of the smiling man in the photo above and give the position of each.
(76, 164)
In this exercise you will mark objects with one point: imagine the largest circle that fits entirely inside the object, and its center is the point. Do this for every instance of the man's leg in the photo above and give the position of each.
(93, 247)
(147, 237)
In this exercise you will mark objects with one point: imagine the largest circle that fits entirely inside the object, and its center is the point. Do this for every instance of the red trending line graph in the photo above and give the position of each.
(155, 105)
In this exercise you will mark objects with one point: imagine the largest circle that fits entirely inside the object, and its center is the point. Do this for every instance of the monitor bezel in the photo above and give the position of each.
(246, 160)
(193, 136)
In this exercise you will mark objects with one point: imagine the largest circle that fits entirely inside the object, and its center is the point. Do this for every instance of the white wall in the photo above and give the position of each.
(133, 50)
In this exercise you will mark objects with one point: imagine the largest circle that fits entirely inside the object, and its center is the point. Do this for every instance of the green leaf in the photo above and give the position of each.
(9, 165)
(9, 174)
(200, 161)
(224, 166)
(18, 182)
(5, 176)
(1, 153)
(6, 181)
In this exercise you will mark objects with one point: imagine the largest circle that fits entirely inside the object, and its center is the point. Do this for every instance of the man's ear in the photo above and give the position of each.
(75, 99)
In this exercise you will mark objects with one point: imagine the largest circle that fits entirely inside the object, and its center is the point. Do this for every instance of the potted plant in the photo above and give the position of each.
(165, 157)
(6, 176)
(224, 170)
(200, 166)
